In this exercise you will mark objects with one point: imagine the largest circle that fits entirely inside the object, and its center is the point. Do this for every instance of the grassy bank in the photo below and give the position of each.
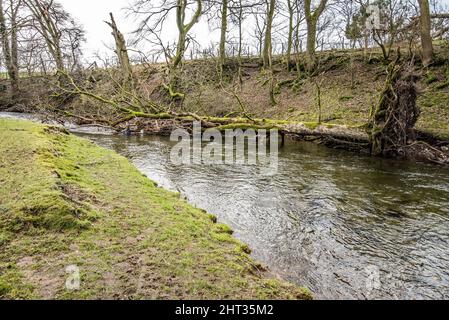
(65, 201)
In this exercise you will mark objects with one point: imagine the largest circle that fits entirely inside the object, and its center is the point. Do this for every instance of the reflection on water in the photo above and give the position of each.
(345, 226)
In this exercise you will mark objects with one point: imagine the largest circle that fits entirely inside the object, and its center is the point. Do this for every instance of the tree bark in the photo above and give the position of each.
(9, 47)
(312, 18)
(224, 29)
(267, 50)
(426, 38)
(122, 53)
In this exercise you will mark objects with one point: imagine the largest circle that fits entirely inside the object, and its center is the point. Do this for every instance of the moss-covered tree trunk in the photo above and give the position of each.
(183, 31)
(311, 42)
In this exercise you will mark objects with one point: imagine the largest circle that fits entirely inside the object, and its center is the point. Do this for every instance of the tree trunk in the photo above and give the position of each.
(224, 29)
(267, 50)
(14, 51)
(240, 42)
(290, 33)
(365, 44)
(9, 47)
(311, 42)
(426, 38)
(58, 58)
(312, 18)
(184, 28)
(122, 53)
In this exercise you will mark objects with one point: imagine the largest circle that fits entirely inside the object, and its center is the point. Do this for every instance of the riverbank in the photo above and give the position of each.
(350, 86)
(66, 202)
(331, 107)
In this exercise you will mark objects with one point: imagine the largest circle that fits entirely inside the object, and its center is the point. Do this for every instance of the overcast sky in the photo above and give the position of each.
(92, 13)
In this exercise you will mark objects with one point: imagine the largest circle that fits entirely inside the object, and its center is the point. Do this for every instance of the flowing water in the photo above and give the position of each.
(343, 225)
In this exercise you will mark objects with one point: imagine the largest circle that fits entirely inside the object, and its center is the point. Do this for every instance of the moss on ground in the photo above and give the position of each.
(65, 201)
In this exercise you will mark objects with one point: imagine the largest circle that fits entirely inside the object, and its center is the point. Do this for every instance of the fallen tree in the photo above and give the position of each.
(392, 126)
(134, 114)
(390, 131)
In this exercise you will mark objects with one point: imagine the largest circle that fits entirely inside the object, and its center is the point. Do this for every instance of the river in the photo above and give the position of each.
(344, 225)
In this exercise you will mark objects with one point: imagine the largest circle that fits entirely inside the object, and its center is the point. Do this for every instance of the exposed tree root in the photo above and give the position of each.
(392, 126)
(392, 123)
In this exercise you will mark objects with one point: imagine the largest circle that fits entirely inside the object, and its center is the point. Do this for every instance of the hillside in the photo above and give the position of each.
(350, 86)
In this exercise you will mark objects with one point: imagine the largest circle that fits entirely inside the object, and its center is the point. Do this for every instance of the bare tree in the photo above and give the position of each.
(184, 28)
(260, 27)
(47, 14)
(267, 50)
(73, 35)
(122, 53)
(312, 17)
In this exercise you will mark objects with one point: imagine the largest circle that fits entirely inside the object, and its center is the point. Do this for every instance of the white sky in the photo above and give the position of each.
(92, 13)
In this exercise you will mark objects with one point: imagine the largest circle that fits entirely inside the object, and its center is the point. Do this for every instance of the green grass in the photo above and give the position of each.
(65, 201)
